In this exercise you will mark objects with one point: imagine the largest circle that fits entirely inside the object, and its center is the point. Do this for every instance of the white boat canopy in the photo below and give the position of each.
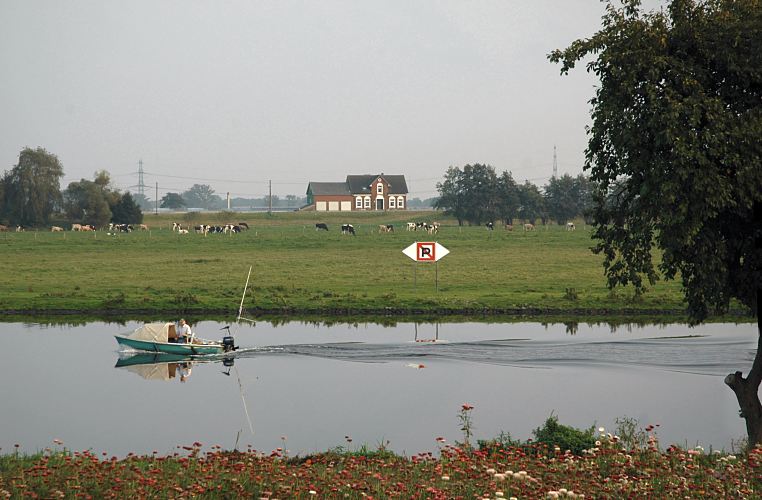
(154, 332)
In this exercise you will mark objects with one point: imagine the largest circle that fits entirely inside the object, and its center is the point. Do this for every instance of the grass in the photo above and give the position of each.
(297, 269)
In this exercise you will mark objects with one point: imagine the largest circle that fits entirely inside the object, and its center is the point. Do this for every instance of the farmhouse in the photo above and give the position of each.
(359, 192)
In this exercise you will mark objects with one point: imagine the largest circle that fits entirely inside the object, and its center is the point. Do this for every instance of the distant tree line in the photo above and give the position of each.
(203, 196)
(476, 194)
(31, 195)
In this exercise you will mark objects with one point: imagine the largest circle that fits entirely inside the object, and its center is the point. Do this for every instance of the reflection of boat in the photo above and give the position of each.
(161, 366)
(157, 337)
(152, 358)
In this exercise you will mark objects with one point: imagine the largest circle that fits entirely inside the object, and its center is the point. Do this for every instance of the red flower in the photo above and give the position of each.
(467, 407)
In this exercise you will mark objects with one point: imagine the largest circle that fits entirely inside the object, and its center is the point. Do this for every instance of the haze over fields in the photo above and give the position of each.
(234, 94)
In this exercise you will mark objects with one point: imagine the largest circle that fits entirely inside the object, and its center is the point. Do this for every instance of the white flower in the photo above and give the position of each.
(445, 478)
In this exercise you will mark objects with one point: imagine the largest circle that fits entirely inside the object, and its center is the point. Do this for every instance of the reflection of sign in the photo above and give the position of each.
(426, 251)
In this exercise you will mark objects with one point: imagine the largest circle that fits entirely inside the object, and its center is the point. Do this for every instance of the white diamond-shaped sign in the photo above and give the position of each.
(426, 251)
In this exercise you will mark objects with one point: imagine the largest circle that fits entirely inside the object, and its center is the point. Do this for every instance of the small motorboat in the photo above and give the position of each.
(162, 337)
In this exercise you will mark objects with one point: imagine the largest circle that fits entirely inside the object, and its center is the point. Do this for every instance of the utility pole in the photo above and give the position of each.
(157, 199)
(555, 163)
(270, 209)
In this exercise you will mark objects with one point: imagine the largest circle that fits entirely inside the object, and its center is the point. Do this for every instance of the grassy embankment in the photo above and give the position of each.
(297, 269)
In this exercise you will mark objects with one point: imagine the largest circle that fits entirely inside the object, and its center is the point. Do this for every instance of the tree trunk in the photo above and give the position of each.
(747, 389)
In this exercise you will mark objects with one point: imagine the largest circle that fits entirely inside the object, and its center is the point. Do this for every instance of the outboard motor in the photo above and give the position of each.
(228, 343)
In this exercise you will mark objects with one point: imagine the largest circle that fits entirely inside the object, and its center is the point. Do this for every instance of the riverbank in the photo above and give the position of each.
(606, 471)
(299, 271)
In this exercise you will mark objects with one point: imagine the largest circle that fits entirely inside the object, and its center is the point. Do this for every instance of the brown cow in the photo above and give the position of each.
(3, 229)
(528, 227)
(56, 229)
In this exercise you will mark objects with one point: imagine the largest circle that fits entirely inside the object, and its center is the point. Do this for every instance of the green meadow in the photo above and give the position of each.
(298, 270)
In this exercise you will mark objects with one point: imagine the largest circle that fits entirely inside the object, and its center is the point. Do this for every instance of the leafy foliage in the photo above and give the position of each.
(674, 148)
(172, 201)
(202, 196)
(565, 437)
(126, 211)
(30, 192)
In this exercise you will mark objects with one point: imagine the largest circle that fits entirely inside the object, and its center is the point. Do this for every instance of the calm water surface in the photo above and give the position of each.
(305, 387)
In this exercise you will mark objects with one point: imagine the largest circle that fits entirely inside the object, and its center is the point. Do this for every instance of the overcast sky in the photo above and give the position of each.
(236, 93)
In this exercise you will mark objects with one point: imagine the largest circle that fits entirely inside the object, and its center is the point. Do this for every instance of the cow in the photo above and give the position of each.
(570, 226)
(411, 226)
(3, 229)
(528, 227)
(490, 226)
(421, 225)
(143, 227)
(321, 225)
(385, 228)
(76, 227)
(176, 226)
(243, 225)
(56, 229)
(87, 227)
(348, 229)
(431, 228)
(182, 231)
(19, 229)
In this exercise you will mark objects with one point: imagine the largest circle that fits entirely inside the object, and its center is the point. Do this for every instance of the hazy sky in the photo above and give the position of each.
(235, 93)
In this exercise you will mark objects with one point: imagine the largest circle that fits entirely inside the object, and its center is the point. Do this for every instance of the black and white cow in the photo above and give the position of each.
(490, 226)
(348, 229)
(321, 225)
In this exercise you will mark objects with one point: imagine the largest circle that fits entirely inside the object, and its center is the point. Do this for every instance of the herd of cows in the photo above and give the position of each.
(208, 228)
(113, 228)
(432, 228)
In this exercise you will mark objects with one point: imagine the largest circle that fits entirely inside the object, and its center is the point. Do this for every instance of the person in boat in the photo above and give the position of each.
(184, 333)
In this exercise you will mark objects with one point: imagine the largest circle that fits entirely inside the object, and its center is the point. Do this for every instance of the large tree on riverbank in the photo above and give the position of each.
(675, 154)
(31, 190)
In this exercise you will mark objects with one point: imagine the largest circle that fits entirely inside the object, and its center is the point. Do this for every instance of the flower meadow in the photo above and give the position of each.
(495, 470)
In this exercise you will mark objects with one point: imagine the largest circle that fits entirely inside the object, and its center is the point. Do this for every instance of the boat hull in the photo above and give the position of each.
(170, 347)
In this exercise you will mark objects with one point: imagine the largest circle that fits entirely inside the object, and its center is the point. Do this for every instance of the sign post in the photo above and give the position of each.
(426, 251)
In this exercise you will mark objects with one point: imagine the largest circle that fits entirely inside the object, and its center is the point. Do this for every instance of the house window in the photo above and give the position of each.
(379, 188)
(367, 202)
(400, 202)
(358, 202)
(391, 202)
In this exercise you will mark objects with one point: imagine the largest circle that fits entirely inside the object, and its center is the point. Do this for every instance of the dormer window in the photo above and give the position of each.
(379, 188)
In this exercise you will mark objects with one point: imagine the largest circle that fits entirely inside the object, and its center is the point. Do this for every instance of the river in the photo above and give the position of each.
(310, 387)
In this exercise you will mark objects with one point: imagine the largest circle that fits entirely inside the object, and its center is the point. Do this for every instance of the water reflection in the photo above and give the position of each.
(317, 384)
(165, 367)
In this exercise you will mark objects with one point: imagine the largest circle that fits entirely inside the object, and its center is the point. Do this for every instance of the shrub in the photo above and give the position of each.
(567, 438)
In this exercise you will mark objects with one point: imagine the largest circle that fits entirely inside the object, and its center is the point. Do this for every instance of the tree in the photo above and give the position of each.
(172, 201)
(202, 196)
(470, 194)
(126, 211)
(531, 202)
(675, 156)
(32, 190)
(508, 198)
(562, 198)
(142, 201)
(85, 201)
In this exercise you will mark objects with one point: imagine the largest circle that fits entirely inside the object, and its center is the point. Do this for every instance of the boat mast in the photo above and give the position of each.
(243, 296)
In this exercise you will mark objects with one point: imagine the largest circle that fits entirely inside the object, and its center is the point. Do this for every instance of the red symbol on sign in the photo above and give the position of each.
(426, 252)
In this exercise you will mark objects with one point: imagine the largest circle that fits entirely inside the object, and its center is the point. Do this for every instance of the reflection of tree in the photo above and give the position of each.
(572, 327)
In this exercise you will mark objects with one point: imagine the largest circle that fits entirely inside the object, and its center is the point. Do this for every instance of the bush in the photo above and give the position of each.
(567, 438)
